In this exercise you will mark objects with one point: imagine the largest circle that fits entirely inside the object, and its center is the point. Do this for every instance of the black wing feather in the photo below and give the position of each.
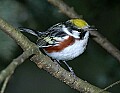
(54, 31)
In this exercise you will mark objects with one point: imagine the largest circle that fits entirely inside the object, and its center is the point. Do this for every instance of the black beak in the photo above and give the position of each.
(91, 28)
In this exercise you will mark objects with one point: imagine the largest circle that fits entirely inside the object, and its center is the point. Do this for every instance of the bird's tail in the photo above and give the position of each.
(41, 42)
(30, 31)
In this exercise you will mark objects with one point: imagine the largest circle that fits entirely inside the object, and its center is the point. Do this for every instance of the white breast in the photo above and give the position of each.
(71, 51)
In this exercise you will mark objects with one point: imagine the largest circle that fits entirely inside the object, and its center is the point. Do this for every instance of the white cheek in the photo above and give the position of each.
(76, 34)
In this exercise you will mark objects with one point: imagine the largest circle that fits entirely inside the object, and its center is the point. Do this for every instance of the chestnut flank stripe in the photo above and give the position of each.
(61, 46)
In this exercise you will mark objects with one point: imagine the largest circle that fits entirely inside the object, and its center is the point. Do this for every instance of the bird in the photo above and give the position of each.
(63, 41)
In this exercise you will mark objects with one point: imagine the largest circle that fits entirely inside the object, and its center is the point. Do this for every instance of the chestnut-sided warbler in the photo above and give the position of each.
(63, 41)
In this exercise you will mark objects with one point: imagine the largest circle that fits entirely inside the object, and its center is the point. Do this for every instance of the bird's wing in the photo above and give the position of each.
(52, 37)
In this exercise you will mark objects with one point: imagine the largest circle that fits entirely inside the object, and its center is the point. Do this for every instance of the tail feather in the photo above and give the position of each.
(30, 31)
(41, 42)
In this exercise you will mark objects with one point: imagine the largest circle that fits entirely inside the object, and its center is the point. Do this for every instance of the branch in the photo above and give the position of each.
(23, 41)
(12, 66)
(102, 41)
(46, 63)
(5, 84)
(73, 81)
(110, 86)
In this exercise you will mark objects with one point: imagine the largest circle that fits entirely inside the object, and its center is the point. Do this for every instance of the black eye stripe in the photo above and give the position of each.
(82, 34)
(75, 28)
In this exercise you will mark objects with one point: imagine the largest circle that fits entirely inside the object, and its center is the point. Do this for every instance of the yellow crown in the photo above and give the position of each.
(79, 22)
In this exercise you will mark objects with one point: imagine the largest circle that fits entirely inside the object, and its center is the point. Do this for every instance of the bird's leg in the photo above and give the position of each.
(58, 61)
(70, 68)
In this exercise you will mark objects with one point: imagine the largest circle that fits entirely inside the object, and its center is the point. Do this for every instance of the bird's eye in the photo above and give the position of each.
(80, 30)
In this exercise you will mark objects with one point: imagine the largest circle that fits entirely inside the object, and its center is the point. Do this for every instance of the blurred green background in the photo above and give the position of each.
(95, 65)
